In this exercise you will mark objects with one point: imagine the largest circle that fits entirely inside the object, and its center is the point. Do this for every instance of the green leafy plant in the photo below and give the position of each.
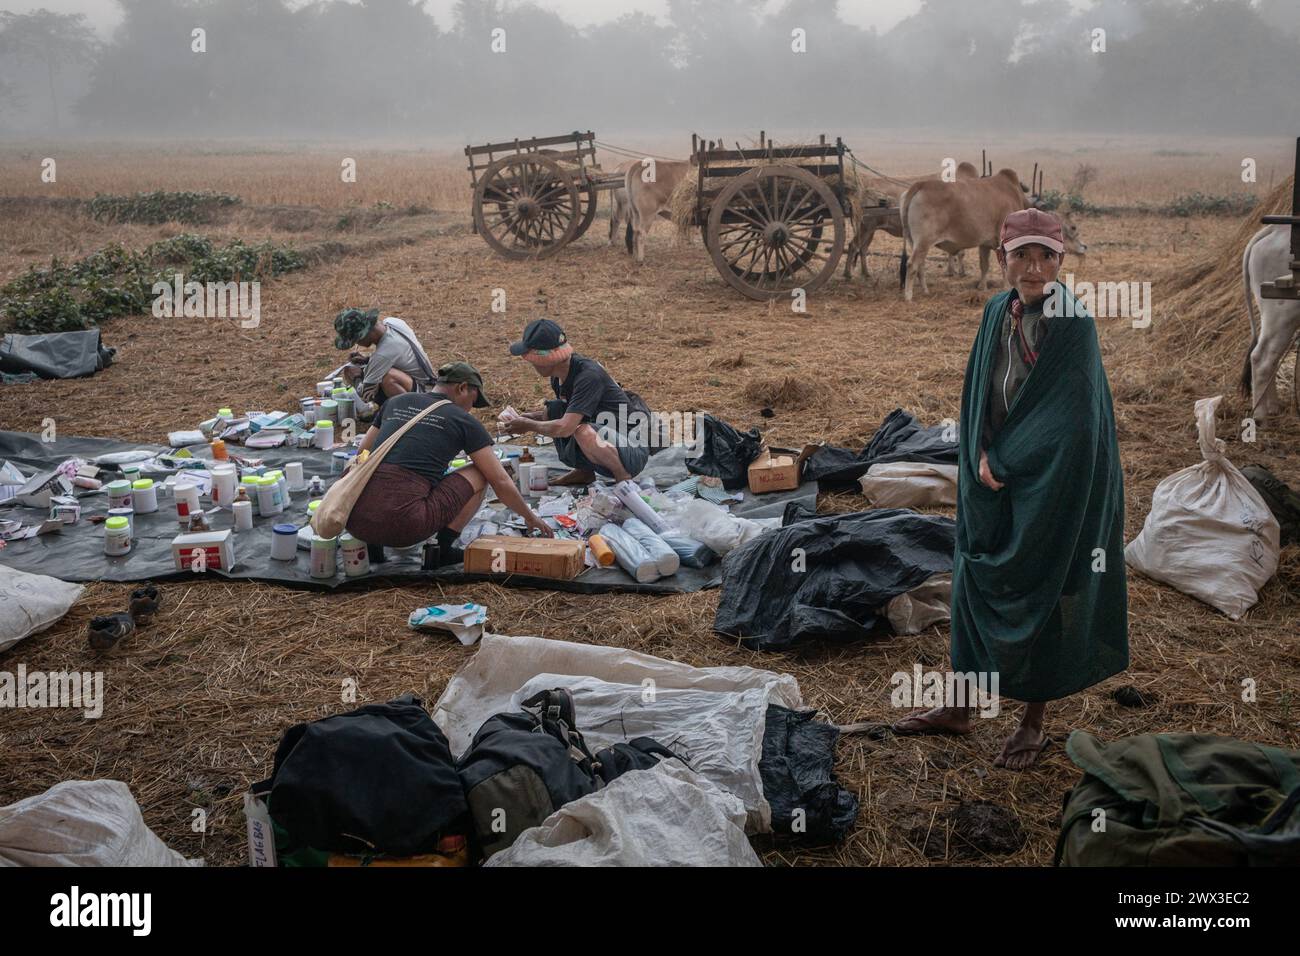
(115, 281)
(160, 206)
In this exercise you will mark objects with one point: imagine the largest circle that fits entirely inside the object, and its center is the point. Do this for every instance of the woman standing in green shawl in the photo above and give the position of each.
(1039, 597)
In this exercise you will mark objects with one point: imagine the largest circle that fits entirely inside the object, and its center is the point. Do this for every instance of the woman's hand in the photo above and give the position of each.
(986, 474)
(535, 523)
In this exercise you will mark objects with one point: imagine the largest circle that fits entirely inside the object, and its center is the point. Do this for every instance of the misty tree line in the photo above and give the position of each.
(385, 68)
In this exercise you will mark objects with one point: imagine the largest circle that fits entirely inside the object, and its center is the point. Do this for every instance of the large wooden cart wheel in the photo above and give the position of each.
(766, 231)
(589, 198)
(526, 206)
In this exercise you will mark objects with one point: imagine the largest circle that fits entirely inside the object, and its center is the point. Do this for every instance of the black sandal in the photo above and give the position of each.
(145, 601)
(106, 631)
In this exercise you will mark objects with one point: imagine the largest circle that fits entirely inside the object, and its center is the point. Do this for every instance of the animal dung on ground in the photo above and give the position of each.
(974, 828)
(1130, 696)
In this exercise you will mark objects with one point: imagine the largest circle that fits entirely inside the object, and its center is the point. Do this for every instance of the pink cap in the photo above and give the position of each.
(1032, 226)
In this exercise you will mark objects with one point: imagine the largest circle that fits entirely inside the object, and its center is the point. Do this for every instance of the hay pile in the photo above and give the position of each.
(1209, 299)
(1203, 323)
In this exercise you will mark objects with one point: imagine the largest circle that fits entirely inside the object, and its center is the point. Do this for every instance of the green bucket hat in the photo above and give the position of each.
(462, 373)
(353, 325)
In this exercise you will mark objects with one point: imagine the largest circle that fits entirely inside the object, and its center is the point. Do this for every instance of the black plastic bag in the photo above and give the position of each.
(377, 780)
(798, 777)
(900, 437)
(727, 453)
(828, 576)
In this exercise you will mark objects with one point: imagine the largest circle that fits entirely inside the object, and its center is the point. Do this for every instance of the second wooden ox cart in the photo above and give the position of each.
(532, 197)
(774, 218)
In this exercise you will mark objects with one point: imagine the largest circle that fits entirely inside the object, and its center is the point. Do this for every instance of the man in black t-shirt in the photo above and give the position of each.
(599, 428)
(411, 496)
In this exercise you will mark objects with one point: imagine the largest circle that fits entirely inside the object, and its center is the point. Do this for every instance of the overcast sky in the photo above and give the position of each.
(881, 14)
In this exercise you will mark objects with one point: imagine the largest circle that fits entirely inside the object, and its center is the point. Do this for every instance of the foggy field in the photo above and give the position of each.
(204, 695)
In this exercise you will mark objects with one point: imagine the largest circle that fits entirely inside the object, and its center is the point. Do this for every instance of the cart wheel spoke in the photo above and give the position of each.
(775, 228)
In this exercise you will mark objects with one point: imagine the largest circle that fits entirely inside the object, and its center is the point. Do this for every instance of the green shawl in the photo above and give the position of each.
(1026, 602)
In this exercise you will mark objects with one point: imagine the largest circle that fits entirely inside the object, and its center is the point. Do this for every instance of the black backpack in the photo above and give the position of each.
(522, 767)
(377, 780)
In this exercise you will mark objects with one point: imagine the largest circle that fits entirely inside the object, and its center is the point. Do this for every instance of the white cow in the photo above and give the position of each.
(1267, 256)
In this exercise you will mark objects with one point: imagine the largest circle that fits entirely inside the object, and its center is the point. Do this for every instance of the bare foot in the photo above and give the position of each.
(1022, 748)
(940, 720)
(576, 477)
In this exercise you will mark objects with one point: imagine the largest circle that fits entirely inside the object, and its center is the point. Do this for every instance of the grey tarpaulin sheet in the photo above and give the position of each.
(76, 553)
(55, 354)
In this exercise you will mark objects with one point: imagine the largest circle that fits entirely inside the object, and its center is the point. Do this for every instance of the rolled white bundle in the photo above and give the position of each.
(632, 558)
(630, 495)
(665, 558)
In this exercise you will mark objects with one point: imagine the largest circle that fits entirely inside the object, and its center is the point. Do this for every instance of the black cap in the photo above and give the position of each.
(462, 373)
(539, 334)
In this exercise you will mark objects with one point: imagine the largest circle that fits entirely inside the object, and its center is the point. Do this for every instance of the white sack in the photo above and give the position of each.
(667, 816)
(716, 529)
(718, 733)
(910, 484)
(928, 603)
(82, 823)
(29, 603)
(1209, 533)
(665, 558)
(489, 683)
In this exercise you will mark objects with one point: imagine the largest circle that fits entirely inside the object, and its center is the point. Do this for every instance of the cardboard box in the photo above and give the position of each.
(779, 472)
(217, 547)
(559, 558)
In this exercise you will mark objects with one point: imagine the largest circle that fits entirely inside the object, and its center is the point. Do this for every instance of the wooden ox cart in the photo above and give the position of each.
(534, 196)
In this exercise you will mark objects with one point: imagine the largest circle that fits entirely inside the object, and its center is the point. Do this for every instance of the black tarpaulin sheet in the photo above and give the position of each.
(900, 437)
(76, 553)
(798, 773)
(54, 355)
(828, 576)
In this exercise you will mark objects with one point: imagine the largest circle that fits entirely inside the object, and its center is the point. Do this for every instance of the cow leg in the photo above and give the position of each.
(618, 215)
(952, 265)
(636, 223)
(961, 264)
(984, 266)
(1275, 334)
(914, 268)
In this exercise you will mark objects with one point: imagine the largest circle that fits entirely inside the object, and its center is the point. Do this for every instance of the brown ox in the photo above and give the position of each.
(649, 189)
(892, 223)
(956, 216)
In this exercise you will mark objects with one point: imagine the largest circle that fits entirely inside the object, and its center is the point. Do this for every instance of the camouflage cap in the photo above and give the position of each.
(353, 325)
(462, 373)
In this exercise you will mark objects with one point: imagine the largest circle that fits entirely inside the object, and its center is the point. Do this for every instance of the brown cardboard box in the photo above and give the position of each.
(779, 472)
(541, 557)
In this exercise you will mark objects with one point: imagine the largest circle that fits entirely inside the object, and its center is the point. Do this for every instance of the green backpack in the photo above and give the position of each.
(1180, 800)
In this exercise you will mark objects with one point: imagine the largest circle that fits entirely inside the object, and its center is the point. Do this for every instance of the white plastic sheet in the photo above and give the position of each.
(29, 603)
(720, 725)
(1209, 533)
(668, 816)
(910, 484)
(82, 823)
(915, 610)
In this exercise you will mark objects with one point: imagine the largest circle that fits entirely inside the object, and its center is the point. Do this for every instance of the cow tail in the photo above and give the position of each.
(1244, 385)
(907, 238)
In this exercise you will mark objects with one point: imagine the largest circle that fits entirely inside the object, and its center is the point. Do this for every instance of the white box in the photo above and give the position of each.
(217, 549)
